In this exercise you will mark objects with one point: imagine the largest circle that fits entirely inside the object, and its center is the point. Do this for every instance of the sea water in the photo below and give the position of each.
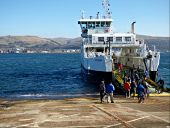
(51, 76)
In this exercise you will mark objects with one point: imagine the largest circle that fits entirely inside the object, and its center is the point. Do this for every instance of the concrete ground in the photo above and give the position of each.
(86, 112)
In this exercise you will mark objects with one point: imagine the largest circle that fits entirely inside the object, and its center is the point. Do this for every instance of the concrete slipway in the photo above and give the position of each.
(86, 112)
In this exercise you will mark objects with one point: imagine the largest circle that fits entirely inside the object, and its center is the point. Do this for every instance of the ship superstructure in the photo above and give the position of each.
(103, 50)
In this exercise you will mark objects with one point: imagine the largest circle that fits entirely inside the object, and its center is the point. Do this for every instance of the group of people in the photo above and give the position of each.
(132, 85)
(135, 85)
(106, 90)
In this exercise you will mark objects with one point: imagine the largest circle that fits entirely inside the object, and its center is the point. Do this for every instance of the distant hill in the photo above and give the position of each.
(161, 43)
(30, 42)
(39, 44)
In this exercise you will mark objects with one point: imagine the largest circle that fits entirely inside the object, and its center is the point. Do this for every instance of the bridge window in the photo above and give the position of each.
(97, 24)
(102, 24)
(119, 39)
(108, 24)
(101, 39)
(84, 24)
(91, 24)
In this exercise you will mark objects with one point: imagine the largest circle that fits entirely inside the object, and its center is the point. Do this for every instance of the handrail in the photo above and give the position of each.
(151, 82)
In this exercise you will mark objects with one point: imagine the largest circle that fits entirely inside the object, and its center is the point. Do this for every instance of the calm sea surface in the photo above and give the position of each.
(51, 76)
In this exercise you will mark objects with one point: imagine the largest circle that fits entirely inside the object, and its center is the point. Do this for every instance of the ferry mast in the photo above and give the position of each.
(106, 6)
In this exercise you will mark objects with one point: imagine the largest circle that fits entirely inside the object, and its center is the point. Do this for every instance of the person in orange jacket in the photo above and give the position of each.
(127, 88)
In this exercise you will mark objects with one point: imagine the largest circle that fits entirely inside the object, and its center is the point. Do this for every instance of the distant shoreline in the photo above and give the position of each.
(37, 44)
(41, 52)
(59, 52)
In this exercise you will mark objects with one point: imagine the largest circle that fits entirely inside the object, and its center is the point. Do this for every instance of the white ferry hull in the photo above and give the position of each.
(97, 68)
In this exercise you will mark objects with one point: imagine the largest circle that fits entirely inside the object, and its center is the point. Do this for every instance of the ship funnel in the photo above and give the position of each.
(133, 27)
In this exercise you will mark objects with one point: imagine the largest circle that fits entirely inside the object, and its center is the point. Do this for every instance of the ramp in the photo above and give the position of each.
(117, 76)
(151, 82)
(118, 82)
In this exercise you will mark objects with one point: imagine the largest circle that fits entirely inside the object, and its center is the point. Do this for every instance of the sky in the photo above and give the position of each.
(58, 18)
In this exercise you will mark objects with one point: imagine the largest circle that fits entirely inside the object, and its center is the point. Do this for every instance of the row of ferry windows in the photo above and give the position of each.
(118, 39)
(95, 24)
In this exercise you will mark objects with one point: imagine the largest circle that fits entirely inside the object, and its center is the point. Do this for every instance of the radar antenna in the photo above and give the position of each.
(106, 6)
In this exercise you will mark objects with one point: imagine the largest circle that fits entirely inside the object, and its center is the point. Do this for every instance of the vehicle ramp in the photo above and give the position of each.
(118, 82)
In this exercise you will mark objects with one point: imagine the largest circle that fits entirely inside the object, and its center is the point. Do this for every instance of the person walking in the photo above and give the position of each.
(145, 87)
(140, 90)
(109, 91)
(133, 88)
(136, 76)
(102, 90)
(127, 88)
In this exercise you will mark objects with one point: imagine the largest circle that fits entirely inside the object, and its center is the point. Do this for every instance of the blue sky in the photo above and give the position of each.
(58, 18)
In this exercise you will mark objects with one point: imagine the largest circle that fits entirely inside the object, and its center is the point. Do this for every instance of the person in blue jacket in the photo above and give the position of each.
(140, 90)
(109, 91)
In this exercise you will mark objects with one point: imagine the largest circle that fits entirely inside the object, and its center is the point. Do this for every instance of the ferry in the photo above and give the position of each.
(104, 52)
